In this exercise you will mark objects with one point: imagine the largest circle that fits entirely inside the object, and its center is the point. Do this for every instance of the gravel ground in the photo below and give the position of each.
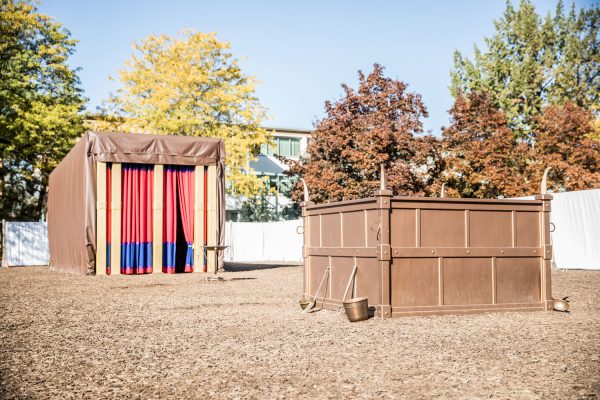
(181, 336)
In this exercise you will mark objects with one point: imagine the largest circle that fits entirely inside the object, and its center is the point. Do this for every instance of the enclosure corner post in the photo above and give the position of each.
(305, 242)
(546, 246)
(384, 249)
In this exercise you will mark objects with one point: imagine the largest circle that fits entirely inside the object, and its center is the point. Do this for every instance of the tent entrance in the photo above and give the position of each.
(136, 218)
(156, 218)
(178, 219)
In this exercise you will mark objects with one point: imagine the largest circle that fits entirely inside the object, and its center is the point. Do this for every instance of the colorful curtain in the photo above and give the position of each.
(136, 218)
(178, 212)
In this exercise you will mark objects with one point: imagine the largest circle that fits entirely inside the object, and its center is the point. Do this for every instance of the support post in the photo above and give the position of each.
(384, 250)
(115, 212)
(157, 220)
(212, 228)
(199, 218)
(100, 218)
(546, 245)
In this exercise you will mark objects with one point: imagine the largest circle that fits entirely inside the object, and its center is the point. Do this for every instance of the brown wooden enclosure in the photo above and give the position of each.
(424, 256)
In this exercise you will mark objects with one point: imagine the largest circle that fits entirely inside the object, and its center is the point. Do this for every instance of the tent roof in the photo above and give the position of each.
(154, 149)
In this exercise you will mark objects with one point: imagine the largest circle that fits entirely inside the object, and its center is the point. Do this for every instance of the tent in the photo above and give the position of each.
(575, 224)
(145, 203)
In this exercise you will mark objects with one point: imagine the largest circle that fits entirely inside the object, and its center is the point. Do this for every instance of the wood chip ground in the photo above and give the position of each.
(181, 336)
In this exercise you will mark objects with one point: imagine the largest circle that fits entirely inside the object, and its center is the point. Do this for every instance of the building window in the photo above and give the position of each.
(283, 146)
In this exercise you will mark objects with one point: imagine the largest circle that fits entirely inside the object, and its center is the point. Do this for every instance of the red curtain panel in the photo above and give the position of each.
(169, 219)
(185, 186)
(178, 209)
(136, 218)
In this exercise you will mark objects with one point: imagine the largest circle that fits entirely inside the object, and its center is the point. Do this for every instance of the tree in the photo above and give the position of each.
(483, 158)
(192, 86)
(531, 62)
(563, 144)
(375, 124)
(40, 104)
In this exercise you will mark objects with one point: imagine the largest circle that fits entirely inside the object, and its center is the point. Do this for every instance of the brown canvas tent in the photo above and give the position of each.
(86, 192)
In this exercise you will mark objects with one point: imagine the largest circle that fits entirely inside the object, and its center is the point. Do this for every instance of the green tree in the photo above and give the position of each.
(192, 86)
(40, 105)
(531, 62)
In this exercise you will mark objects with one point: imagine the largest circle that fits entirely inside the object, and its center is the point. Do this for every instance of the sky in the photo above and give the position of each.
(300, 51)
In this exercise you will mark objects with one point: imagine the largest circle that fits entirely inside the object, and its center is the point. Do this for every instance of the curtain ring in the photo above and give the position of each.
(299, 229)
(552, 227)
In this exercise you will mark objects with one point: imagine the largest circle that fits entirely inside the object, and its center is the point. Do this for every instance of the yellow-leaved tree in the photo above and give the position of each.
(191, 85)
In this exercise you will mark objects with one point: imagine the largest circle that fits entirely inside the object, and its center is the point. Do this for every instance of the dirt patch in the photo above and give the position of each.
(167, 336)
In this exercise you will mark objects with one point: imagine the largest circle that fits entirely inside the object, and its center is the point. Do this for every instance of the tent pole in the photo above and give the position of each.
(115, 214)
(157, 220)
(212, 219)
(100, 218)
(199, 218)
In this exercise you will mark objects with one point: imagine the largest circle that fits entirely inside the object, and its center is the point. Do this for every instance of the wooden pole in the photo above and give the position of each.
(100, 218)
(115, 208)
(199, 219)
(157, 220)
(212, 227)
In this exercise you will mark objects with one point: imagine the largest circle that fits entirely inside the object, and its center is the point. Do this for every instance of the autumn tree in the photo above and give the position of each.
(40, 104)
(191, 85)
(562, 143)
(483, 158)
(531, 62)
(375, 124)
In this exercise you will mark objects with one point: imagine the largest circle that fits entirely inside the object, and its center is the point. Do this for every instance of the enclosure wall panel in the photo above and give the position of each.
(407, 236)
(490, 228)
(368, 276)
(354, 229)
(332, 236)
(442, 228)
(467, 281)
(527, 230)
(415, 282)
(518, 280)
(424, 256)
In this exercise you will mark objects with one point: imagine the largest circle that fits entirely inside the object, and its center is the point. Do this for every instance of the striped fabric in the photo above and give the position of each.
(136, 218)
(178, 208)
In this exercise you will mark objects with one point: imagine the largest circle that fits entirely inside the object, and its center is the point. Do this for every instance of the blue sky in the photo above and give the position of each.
(300, 51)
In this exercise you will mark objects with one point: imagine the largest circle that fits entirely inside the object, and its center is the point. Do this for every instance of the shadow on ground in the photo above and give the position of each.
(255, 266)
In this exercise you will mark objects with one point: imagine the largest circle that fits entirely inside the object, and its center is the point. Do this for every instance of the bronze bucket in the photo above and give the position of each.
(305, 302)
(357, 309)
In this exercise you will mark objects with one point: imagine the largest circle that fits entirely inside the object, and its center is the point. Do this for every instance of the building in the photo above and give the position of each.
(288, 143)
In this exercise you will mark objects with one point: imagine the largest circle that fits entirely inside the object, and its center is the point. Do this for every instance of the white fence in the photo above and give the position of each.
(25, 243)
(576, 236)
(263, 241)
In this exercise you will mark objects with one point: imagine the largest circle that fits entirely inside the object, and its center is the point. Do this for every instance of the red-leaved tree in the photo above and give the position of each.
(482, 157)
(376, 124)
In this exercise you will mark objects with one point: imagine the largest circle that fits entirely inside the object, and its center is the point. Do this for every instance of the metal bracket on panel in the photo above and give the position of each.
(547, 249)
(384, 252)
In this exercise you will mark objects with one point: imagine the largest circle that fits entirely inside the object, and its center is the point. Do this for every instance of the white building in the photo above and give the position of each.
(288, 143)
